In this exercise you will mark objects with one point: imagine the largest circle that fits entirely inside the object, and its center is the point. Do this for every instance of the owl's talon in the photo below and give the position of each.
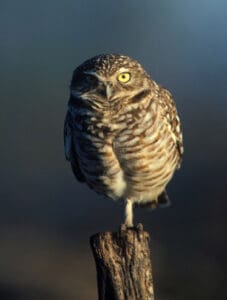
(123, 227)
(139, 227)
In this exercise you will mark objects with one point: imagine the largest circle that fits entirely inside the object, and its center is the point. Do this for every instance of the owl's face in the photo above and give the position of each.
(109, 78)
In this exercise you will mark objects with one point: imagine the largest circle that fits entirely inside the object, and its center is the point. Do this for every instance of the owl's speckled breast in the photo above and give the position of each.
(124, 157)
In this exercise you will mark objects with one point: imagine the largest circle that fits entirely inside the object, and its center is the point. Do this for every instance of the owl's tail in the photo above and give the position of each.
(162, 201)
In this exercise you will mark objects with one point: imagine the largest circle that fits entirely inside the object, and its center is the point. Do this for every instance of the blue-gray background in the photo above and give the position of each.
(46, 217)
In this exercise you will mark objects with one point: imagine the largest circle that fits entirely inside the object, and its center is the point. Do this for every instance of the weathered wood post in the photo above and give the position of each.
(123, 264)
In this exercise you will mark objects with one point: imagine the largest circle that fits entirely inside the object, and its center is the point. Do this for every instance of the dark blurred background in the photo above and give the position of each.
(46, 217)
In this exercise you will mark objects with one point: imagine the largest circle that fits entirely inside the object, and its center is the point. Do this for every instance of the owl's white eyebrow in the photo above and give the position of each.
(90, 73)
(122, 69)
(99, 77)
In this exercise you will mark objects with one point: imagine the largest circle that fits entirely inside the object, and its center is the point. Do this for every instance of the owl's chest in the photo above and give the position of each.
(94, 139)
(124, 154)
(109, 137)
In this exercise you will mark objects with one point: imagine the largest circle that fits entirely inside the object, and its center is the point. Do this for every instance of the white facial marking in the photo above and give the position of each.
(108, 91)
(122, 70)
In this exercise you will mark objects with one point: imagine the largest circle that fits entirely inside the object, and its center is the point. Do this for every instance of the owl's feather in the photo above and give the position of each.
(167, 102)
(70, 152)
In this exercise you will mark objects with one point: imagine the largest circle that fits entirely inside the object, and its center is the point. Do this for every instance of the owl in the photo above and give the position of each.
(122, 133)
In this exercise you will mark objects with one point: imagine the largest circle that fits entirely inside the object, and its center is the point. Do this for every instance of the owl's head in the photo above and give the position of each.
(110, 78)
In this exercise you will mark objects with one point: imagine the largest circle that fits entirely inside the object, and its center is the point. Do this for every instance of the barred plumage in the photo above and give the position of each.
(122, 132)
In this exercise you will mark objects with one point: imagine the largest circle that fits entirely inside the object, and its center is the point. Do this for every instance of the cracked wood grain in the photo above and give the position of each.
(123, 264)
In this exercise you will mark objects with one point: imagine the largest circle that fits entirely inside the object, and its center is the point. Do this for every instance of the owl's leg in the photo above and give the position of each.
(129, 213)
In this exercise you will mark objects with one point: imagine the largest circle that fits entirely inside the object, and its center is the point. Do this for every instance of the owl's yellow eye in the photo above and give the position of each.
(124, 77)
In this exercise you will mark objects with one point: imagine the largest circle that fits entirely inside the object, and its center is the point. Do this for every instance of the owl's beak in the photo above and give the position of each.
(109, 91)
(106, 90)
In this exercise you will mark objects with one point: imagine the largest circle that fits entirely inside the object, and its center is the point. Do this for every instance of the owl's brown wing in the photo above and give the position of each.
(171, 115)
(70, 152)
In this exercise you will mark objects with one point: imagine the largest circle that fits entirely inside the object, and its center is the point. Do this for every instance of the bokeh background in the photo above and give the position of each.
(46, 217)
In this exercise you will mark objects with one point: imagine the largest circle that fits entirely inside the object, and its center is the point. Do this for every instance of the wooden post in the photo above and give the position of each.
(123, 264)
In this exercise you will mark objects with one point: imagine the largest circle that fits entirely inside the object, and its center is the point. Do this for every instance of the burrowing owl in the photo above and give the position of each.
(122, 132)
